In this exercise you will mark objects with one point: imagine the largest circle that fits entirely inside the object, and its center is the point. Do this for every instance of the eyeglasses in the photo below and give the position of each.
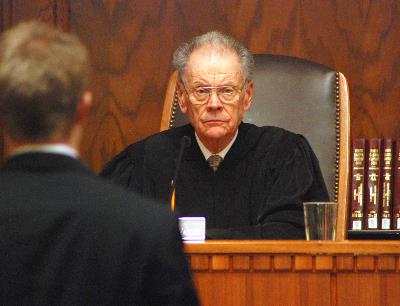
(226, 94)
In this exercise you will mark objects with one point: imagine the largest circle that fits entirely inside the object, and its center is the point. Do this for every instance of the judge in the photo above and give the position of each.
(247, 181)
(68, 237)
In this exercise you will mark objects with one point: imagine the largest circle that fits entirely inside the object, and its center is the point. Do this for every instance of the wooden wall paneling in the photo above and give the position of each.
(54, 12)
(61, 14)
(131, 44)
(5, 14)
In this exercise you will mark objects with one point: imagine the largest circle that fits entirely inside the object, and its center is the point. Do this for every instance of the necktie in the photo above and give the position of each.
(214, 161)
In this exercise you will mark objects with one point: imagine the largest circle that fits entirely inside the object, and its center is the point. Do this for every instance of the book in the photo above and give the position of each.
(357, 184)
(373, 184)
(396, 186)
(386, 179)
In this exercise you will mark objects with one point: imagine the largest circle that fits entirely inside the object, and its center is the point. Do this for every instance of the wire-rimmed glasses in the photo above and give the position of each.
(227, 94)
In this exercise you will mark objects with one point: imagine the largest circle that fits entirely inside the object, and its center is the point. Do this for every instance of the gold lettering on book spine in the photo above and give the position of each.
(373, 176)
(374, 158)
(396, 212)
(358, 186)
(357, 214)
(372, 214)
(373, 165)
(373, 195)
(387, 192)
(358, 194)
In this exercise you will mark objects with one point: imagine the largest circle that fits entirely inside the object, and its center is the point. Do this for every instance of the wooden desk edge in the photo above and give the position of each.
(361, 247)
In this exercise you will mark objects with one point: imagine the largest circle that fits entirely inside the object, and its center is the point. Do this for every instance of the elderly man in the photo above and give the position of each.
(248, 181)
(68, 237)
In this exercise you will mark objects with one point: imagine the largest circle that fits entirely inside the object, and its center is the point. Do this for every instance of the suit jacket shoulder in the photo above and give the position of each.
(69, 238)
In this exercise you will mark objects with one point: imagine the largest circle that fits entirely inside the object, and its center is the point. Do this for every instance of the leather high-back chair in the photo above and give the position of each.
(304, 97)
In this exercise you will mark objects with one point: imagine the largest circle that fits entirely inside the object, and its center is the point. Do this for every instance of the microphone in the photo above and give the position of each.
(185, 143)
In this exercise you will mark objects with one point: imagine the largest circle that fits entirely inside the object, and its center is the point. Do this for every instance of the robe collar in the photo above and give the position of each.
(247, 138)
(207, 152)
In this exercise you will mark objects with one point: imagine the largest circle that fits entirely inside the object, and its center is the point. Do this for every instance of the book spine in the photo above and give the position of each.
(396, 186)
(373, 184)
(386, 179)
(357, 184)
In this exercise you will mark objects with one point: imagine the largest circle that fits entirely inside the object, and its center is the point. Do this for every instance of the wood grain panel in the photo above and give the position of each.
(386, 263)
(303, 263)
(223, 289)
(261, 263)
(221, 262)
(298, 273)
(132, 42)
(288, 289)
(54, 12)
(361, 289)
(241, 263)
(261, 289)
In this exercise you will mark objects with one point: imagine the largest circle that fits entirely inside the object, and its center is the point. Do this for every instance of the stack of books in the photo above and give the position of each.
(375, 188)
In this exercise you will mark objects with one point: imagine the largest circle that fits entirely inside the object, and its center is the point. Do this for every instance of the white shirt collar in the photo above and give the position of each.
(57, 148)
(207, 152)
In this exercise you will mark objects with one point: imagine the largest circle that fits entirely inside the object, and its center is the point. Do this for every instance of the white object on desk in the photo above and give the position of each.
(192, 228)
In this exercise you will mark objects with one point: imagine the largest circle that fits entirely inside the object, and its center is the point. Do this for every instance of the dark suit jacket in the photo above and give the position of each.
(69, 238)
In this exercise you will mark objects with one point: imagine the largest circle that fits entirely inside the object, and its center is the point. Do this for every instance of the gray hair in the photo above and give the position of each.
(43, 73)
(214, 38)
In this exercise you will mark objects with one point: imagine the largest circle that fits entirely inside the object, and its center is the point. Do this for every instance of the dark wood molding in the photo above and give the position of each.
(61, 14)
(5, 14)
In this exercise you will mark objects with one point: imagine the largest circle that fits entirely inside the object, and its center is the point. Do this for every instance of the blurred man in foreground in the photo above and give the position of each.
(67, 237)
(247, 181)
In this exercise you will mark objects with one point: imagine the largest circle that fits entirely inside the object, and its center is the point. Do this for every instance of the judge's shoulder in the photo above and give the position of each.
(272, 138)
(264, 138)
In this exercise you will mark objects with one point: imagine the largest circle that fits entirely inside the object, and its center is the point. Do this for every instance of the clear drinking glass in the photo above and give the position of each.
(320, 220)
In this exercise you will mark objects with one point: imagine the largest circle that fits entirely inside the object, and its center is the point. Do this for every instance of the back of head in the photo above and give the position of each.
(43, 72)
(218, 43)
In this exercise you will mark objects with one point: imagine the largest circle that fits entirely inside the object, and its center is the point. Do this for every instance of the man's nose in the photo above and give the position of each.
(214, 102)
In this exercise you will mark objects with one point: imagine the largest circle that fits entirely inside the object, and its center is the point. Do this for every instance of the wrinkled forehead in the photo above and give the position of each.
(213, 65)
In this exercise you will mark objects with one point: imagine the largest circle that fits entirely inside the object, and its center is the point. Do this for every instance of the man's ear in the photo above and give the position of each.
(83, 107)
(182, 97)
(248, 98)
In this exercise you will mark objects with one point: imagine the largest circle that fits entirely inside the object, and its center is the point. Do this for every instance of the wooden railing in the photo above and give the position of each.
(296, 272)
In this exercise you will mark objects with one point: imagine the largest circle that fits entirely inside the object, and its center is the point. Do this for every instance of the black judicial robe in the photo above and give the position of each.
(256, 193)
(70, 238)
